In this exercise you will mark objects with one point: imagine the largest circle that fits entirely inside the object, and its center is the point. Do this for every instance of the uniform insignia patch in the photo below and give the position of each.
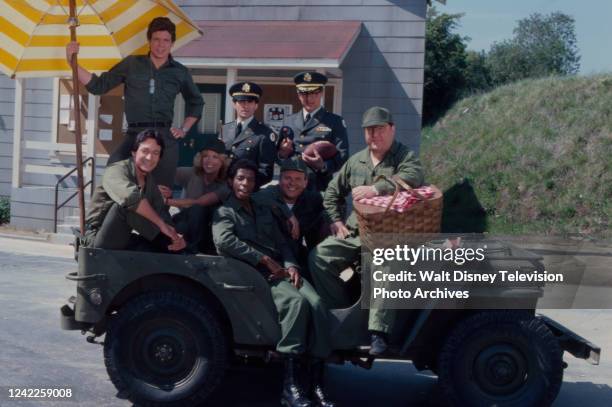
(273, 137)
(307, 77)
(246, 87)
(322, 128)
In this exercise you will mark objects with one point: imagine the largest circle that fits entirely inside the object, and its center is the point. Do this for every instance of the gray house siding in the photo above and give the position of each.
(7, 109)
(384, 66)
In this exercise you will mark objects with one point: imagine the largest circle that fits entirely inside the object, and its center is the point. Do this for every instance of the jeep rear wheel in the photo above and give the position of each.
(504, 358)
(165, 349)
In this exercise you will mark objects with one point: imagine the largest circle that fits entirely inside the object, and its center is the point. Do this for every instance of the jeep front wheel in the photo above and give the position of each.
(165, 349)
(505, 358)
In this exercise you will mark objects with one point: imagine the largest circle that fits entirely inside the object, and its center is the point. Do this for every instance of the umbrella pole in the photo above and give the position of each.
(77, 118)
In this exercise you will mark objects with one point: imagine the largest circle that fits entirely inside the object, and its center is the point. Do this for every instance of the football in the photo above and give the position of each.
(325, 149)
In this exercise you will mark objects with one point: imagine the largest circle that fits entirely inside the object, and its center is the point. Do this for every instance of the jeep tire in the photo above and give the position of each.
(505, 358)
(165, 349)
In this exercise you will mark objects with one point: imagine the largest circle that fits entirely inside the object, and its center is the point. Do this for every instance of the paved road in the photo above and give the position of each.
(35, 352)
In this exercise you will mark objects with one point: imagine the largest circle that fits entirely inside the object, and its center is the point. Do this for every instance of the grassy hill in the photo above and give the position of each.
(538, 154)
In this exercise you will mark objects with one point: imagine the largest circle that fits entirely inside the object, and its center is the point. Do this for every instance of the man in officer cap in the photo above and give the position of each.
(246, 137)
(382, 156)
(314, 123)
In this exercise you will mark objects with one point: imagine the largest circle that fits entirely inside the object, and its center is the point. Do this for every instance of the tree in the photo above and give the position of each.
(477, 75)
(445, 62)
(542, 45)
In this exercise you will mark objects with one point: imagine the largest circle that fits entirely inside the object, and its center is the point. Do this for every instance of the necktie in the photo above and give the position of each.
(238, 129)
(307, 118)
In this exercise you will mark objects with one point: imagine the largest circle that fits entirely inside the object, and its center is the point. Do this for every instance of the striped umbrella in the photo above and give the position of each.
(34, 34)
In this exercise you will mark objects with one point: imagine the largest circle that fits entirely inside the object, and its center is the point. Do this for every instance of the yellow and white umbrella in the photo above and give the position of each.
(34, 33)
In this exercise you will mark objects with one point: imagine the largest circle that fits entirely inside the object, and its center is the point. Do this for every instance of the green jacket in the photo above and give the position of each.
(359, 170)
(308, 210)
(239, 234)
(119, 185)
(136, 72)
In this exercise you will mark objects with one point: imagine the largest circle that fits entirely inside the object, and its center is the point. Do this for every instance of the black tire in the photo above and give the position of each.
(501, 358)
(165, 349)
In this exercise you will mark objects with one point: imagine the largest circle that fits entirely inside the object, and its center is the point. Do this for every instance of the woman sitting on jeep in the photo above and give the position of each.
(204, 187)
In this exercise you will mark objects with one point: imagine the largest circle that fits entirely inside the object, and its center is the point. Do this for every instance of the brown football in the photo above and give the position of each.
(325, 149)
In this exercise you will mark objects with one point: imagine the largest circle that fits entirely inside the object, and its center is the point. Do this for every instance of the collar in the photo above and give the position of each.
(364, 155)
(235, 204)
(245, 123)
(170, 61)
(312, 114)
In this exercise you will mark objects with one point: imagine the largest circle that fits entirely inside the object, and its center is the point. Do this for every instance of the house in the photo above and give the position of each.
(372, 51)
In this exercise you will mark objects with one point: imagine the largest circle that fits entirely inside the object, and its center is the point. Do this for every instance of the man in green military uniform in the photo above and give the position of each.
(246, 137)
(383, 156)
(291, 198)
(248, 231)
(129, 199)
(314, 123)
(151, 84)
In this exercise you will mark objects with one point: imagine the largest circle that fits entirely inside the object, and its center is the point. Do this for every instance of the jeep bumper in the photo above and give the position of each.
(69, 322)
(572, 342)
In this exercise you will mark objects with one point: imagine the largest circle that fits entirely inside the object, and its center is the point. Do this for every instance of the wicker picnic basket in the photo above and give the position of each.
(380, 227)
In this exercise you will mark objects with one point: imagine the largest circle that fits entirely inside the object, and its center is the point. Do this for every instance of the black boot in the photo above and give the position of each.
(318, 396)
(378, 346)
(293, 394)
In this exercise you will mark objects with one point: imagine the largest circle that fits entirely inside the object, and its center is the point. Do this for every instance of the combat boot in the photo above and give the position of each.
(318, 396)
(293, 394)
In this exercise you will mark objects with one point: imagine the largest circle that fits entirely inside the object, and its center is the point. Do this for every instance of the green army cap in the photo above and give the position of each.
(212, 143)
(294, 164)
(375, 116)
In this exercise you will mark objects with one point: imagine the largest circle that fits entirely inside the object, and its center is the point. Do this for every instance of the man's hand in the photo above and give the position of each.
(339, 230)
(71, 48)
(275, 269)
(178, 244)
(169, 231)
(177, 133)
(294, 227)
(366, 191)
(294, 277)
(286, 148)
(165, 191)
(314, 161)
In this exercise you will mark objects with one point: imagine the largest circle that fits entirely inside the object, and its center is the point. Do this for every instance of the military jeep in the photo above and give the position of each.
(173, 324)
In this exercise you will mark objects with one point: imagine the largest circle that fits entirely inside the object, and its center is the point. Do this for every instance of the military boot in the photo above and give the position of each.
(318, 396)
(293, 394)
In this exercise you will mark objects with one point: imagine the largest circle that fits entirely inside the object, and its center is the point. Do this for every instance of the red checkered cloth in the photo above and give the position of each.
(403, 202)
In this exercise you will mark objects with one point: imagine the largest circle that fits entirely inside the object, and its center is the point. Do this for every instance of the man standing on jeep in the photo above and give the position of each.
(129, 199)
(151, 84)
(247, 230)
(383, 156)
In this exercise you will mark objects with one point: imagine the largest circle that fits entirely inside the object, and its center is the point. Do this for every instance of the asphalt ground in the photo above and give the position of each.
(36, 353)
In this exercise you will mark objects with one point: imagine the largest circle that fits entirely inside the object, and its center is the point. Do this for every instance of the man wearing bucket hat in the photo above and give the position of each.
(311, 124)
(246, 137)
(383, 156)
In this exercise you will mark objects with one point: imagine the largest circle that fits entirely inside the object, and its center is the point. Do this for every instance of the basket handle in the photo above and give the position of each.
(397, 190)
(408, 188)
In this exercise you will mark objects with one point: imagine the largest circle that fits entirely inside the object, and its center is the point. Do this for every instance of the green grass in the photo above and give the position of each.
(538, 153)
(5, 210)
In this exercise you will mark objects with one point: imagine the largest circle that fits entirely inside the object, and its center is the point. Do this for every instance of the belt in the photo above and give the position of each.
(151, 124)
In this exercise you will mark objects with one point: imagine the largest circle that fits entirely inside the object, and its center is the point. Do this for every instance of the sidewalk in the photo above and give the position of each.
(32, 244)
